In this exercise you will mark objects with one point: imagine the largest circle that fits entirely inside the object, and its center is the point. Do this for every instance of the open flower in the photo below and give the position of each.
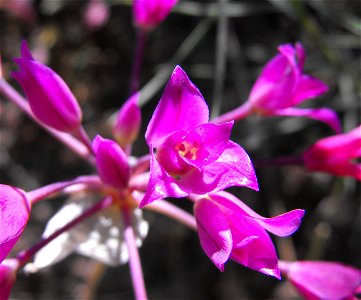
(336, 154)
(49, 97)
(147, 14)
(14, 215)
(281, 86)
(229, 229)
(322, 279)
(192, 155)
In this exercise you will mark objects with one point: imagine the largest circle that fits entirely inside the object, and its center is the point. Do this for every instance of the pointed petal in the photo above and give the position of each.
(214, 232)
(25, 52)
(325, 115)
(161, 184)
(307, 88)
(254, 249)
(281, 225)
(301, 55)
(14, 214)
(181, 107)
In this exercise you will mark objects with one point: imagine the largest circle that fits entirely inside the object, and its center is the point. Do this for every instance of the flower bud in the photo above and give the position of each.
(49, 97)
(111, 162)
(147, 14)
(127, 125)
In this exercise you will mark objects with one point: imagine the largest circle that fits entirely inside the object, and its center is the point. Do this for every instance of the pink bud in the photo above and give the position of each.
(8, 269)
(14, 214)
(111, 162)
(147, 14)
(128, 122)
(49, 97)
(336, 154)
(322, 279)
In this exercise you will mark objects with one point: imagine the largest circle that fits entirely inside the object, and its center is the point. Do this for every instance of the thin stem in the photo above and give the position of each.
(84, 138)
(280, 161)
(221, 51)
(239, 113)
(85, 182)
(76, 146)
(26, 255)
(138, 59)
(135, 265)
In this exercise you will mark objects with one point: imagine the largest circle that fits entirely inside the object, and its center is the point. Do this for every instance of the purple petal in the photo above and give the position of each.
(325, 115)
(301, 55)
(49, 97)
(322, 279)
(281, 225)
(181, 107)
(210, 139)
(214, 232)
(14, 214)
(253, 247)
(161, 184)
(307, 88)
(25, 51)
(112, 162)
(8, 271)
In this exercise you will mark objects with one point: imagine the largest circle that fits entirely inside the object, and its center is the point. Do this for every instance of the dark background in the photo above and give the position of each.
(96, 63)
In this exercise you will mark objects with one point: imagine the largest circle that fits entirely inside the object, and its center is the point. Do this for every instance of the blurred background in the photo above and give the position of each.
(222, 45)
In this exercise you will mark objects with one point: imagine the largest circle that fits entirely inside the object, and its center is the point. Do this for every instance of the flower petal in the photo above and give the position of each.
(308, 87)
(322, 279)
(181, 107)
(325, 115)
(161, 184)
(14, 215)
(281, 225)
(214, 232)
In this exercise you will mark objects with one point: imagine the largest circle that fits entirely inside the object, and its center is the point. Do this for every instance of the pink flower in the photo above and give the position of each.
(147, 14)
(49, 97)
(8, 269)
(127, 126)
(14, 214)
(96, 14)
(192, 155)
(322, 279)
(281, 86)
(229, 229)
(111, 162)
(336, 155)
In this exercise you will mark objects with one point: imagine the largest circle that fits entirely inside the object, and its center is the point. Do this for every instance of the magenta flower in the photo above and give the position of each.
(14, 214)
(336, 155)
(127, 125)
(192, 155)
(229, 229)
(322, 279)
(49, 97)
(111, 162)
(281, 86)
(147, 14)
(8, 269)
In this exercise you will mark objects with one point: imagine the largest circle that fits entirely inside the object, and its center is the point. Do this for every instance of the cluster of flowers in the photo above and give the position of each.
(190, 156)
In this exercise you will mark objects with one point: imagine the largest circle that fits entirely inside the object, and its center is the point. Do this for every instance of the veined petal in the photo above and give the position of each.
(281, 225)
(325, 115)
(214, 232)
(307, 88)
(181, 107)
(14, 214)
(161, 184)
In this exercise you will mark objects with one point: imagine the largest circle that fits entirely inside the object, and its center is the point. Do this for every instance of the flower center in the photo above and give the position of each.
(188, 150)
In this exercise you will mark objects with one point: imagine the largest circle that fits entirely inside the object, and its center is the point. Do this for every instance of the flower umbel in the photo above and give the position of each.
(192, 155)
